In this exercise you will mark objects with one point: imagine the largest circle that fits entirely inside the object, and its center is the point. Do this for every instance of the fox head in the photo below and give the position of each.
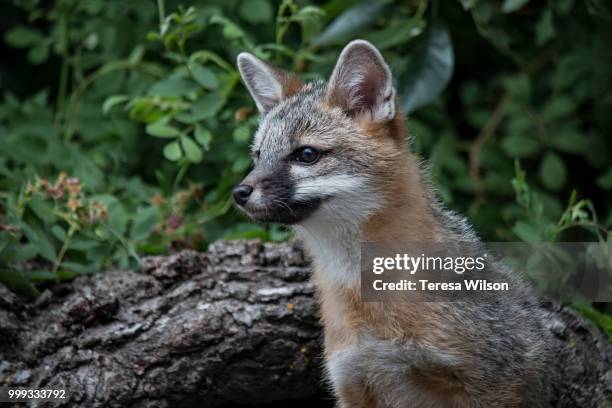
(325, 151)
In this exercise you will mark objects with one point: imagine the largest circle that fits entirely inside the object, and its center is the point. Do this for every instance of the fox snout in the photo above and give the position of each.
(270, 196)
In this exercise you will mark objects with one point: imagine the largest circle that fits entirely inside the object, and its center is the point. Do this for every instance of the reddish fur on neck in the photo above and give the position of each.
(406, 214)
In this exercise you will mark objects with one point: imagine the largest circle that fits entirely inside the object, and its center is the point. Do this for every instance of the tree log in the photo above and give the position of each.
(237, 325)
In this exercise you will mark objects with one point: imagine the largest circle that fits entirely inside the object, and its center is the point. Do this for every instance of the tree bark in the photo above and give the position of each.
(237, 325)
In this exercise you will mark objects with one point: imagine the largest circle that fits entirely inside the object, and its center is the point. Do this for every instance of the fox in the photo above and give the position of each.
(332, 160)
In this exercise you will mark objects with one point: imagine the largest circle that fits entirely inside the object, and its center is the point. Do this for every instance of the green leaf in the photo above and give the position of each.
(23, 37)
(58, 232)
(113, 100)
(429, 69)
(80, 242)
(398, 33)
(202, 136)
(38, 54)
(256, 11)
(569, 140)
(117, 218)
(241, 164)
(136, 55)
(17, 282)
(558, 107)
(172, 87)
(88, 171)
(520, 146)
(207, 106)
(552, 171)
(216, 210)
(159, 129)
(9, 247)
(605, 180)
(519, 86)
(478, 117)
(77, 268)
(172, 151)
(26, 252)
(42, 209)
(230, 30)
(351, 23)
(563, 6)
(65, 275)
(44, 245)
(527, 232)
(551, 205)
(192, 150)
(310, 19)
(545, 29)
(470, 93)
(246, 231)
(242, 133)
(279, 233)
(468, 4)
(186, 117)
(144, 110)
(204, 77)
(41, 276)
(510, 6)
(144, 222)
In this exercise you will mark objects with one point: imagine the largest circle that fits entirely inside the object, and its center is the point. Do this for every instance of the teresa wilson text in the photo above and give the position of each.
(425, 285)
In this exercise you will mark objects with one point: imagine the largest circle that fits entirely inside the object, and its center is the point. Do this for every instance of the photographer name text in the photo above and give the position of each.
(426, 285)
(412, 265)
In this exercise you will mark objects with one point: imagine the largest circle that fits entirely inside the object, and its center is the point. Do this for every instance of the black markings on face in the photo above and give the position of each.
(277, 191)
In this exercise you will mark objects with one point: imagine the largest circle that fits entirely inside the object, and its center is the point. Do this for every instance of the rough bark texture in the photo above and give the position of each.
(237, 325)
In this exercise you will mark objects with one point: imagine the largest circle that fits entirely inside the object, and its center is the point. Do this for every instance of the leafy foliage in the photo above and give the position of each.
(141, 106)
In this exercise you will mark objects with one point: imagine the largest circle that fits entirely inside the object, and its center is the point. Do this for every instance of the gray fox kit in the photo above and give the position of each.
(331, 160)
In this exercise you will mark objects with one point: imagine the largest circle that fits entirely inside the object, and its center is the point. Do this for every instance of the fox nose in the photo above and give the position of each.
(242, 193)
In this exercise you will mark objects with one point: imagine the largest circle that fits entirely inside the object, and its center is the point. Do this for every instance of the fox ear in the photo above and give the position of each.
(361, 83)
(268, 85)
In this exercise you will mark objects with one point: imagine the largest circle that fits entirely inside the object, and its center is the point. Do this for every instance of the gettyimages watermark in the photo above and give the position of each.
(484, 271)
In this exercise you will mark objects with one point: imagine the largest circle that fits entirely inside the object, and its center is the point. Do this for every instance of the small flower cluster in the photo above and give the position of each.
(177, 225)
(68, 192)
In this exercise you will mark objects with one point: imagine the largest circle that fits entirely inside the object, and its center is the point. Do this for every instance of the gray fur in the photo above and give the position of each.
(506, 341)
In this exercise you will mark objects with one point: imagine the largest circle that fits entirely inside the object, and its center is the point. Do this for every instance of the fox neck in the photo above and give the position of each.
(404, 215)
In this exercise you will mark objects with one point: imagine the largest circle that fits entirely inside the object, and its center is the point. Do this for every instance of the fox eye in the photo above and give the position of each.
(306, 155)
